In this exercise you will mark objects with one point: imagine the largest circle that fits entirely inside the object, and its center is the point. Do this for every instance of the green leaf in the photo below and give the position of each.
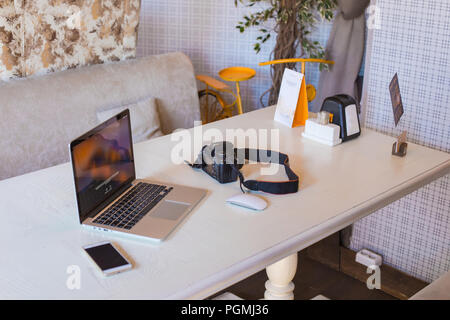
(276, 13)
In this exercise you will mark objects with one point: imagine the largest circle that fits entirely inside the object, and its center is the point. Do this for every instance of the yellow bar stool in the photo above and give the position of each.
(212, 105)
(237, 74)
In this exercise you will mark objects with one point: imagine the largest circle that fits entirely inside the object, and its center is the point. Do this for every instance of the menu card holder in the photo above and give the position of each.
(292, 106)
(400, 147)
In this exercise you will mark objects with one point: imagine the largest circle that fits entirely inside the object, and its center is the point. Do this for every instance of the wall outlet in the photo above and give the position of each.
(368, 258)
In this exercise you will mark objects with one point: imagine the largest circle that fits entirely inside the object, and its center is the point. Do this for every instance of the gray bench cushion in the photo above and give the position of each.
(39, 116)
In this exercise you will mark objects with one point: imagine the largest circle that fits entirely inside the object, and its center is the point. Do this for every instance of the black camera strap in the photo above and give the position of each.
(273, 187)
(260, 156)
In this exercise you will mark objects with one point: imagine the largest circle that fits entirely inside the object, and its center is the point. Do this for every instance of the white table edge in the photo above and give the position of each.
(256, 263)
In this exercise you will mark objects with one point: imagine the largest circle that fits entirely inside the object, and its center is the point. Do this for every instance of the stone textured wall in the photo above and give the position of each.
(42, 36)
(11, 39)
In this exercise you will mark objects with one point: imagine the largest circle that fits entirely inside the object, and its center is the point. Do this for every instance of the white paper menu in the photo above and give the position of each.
(288, 97)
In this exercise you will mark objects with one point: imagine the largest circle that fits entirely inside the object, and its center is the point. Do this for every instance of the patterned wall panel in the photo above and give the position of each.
(413, 234)
(206, 31)
(60, 34)
(11, 39)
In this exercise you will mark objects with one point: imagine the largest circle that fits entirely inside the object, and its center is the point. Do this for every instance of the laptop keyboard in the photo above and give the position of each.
(133, 206)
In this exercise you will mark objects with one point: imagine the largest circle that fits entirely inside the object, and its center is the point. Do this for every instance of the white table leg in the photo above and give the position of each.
(280, 274)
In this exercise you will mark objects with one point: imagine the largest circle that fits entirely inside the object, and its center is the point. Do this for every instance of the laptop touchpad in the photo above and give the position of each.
(170, 210)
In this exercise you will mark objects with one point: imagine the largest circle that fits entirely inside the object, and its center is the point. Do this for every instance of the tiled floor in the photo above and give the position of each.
(312, 279)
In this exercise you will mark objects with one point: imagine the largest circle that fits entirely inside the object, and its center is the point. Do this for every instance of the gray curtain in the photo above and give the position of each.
(346, 48)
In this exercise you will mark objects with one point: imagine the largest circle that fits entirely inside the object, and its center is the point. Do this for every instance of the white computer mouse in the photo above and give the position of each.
(248, 201)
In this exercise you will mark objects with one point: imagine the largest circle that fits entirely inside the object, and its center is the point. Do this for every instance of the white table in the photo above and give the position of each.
(437, 290)
(217, 245)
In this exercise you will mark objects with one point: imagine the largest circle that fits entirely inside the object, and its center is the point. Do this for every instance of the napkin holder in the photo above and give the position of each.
(345, 115)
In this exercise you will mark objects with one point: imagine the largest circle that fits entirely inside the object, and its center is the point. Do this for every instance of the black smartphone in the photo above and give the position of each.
(107, 258)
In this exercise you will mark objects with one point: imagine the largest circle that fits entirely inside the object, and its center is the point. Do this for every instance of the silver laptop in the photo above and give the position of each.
(108, 195)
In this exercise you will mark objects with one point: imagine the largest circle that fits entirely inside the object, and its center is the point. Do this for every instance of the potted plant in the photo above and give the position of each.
(292, 21)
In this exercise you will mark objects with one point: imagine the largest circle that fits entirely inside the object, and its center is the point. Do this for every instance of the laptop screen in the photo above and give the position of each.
(103, 163)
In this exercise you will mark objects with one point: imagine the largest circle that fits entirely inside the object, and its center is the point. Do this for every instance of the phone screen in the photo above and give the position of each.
(106, 256)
